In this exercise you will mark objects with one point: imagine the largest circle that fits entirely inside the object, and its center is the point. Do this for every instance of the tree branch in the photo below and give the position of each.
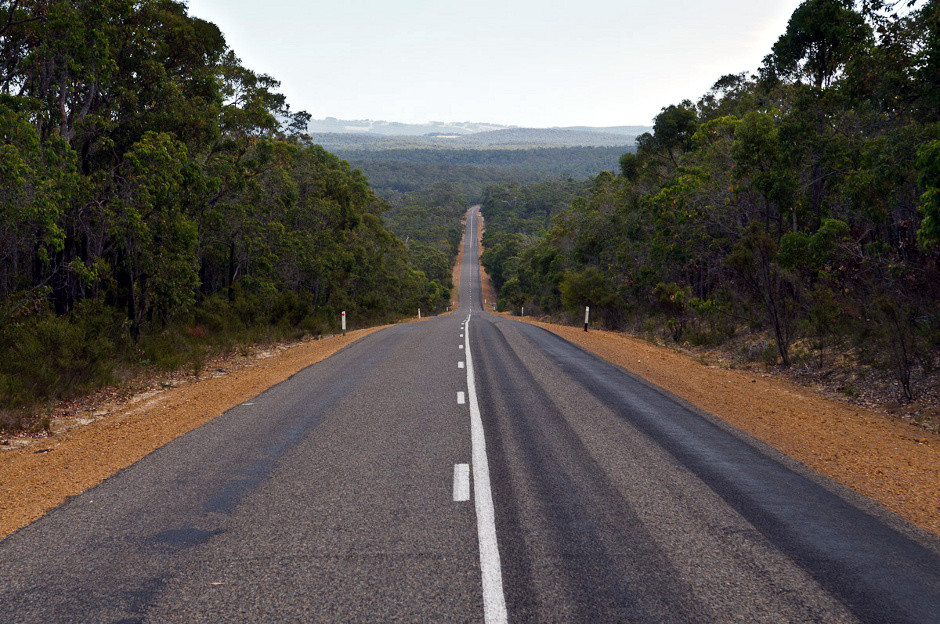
(11, 22)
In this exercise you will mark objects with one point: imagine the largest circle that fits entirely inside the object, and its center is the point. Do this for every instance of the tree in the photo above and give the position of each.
(821, 37)
(928, 161)
(156, 239)
(755, 260)
(673, 129)
(759, 163)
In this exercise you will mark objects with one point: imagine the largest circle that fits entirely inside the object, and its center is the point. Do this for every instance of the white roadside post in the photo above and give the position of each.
(587, 312)
(419, 312)
(344, 322)
(523, 311)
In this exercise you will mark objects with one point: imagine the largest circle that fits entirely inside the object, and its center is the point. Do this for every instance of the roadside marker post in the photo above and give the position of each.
(587, 313)
(344, 322)
(523, 311)
(419, 312)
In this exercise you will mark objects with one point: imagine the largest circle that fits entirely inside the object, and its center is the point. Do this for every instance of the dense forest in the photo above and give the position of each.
(801, 204)
(399, 170)
(159, 201)
(429, 221)
(392, 179)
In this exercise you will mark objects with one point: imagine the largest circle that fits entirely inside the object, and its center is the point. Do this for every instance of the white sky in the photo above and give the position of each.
(537, 63)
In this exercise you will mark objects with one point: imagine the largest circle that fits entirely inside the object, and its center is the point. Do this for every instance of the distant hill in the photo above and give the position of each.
(503, 138)
(367, 134)
(545, 137)
(633, 131)
(394, 128)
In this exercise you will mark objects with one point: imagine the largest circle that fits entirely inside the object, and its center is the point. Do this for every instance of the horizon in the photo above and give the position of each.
(476, 123)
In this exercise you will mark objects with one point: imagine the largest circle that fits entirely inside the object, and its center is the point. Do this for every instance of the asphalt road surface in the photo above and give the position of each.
(463, 469)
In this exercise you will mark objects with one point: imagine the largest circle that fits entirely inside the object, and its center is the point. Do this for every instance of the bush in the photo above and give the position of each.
(46, 356)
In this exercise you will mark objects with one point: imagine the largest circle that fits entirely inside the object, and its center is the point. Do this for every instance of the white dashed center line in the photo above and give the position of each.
(461, 482)
(461, 398)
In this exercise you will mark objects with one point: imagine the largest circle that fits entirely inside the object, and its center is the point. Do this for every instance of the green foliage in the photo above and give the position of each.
(471, 171)
(928, 161)
(429, 223)
(590, 287)
(821, 37)
(629, 166)
(46, 355)
(528, 209)
(499, 252)
(673, 129)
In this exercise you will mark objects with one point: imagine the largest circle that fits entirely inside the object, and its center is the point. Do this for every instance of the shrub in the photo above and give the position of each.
(47, 356)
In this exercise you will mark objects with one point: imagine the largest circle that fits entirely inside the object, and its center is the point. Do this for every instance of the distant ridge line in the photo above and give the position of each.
(374, 128)
(506, 138)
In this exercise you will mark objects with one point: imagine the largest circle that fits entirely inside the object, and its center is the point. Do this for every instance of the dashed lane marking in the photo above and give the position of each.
(461, 482)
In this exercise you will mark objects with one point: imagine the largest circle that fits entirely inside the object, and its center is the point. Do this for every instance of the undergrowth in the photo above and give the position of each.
(46, 358)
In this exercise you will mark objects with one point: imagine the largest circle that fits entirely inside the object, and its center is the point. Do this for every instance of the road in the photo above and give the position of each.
(592, 497)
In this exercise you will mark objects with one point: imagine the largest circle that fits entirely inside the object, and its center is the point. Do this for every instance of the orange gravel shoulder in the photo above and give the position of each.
(888, 461)
(40, 476)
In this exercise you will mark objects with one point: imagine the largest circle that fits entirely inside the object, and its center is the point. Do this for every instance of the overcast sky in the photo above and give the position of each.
(537, 63)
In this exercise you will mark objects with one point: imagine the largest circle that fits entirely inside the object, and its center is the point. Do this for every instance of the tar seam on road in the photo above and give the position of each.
(494, 599)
